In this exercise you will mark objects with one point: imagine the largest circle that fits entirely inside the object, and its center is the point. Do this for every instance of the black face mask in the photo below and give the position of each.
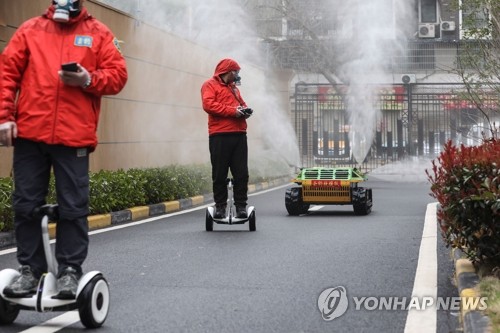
(64, 9)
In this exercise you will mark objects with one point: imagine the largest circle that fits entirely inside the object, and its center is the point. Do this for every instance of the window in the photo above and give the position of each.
(474, 21)
(427, 11)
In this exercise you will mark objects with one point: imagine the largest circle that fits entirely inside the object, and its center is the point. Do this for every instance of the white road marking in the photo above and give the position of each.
(55, 324)
(152, 219)
(422, 321)
(315, 208)
(3, 252)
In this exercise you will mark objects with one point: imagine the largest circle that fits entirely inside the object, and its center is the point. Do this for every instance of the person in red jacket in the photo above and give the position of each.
(50, 116)
(227, 126)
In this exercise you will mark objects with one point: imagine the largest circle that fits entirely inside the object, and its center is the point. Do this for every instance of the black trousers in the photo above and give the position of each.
(229, 152)
(32, 168)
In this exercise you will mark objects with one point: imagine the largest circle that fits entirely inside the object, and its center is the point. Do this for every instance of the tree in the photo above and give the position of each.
(479, 64)
(293, 30)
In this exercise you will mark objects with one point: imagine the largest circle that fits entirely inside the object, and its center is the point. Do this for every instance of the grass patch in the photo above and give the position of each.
(490, 287)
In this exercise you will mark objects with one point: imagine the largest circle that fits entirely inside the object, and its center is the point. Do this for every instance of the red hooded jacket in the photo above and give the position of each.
(220, 101)
(47, 110)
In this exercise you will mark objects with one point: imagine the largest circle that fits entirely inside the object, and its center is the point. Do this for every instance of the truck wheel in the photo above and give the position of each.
(362, 200)
(293, 202)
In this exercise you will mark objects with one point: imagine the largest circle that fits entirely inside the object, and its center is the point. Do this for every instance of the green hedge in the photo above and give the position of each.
(466, 183)
(6, 213)
(111, 191)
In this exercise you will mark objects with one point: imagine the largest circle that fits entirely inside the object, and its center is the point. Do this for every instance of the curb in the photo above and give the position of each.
(100, 221)
(473, 320)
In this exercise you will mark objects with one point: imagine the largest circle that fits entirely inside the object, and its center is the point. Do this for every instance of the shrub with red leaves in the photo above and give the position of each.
(466, 183)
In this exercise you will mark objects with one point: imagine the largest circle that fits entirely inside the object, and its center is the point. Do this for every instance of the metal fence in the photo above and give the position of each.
(411, 120)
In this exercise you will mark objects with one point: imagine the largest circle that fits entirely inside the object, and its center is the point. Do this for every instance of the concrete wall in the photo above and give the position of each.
(157, 119)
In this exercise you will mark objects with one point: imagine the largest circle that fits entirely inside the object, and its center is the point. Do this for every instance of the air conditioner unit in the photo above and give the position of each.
(305, 88)
(295, 32)
(426, 30)
(448, 26)
(408, 78)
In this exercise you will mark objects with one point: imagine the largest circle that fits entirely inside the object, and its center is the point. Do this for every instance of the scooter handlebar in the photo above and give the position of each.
(49, 210)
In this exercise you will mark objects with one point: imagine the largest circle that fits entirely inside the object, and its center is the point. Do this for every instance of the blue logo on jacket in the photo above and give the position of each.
(85, 41)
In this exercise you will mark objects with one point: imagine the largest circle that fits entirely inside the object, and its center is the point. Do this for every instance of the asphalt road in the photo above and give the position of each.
(170, 275)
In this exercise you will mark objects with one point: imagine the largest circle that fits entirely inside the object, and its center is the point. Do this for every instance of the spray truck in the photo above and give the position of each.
(328, 186)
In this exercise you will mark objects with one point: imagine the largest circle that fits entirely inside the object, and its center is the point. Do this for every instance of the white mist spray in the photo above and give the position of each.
(224, 27)
(366, 53)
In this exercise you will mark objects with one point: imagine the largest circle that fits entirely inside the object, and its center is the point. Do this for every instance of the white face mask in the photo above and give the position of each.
(64, 9)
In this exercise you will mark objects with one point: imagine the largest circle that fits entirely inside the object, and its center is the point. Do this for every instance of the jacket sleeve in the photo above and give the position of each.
(13, 61)
(211, 105)
(110, 75)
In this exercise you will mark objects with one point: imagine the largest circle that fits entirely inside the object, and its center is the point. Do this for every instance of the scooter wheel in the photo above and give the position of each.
(209, 222)
(93, 302)
(8, 312)
(251, 222)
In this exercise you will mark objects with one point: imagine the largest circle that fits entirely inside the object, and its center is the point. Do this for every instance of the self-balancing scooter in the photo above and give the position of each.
(229, 218)
(92, 296)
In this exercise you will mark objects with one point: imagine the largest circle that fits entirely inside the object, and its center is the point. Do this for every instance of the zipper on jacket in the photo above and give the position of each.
(58, 87)
(236, 96)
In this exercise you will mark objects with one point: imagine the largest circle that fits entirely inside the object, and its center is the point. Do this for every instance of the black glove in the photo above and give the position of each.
(247, 111)
(243, 112)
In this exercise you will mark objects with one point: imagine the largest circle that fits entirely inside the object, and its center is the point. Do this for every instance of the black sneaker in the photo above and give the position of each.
(67, 284)
(220, 211)
(241, 212)
(24, 286)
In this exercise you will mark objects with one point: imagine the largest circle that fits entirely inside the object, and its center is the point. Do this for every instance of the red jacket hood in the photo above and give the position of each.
(226, 65)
